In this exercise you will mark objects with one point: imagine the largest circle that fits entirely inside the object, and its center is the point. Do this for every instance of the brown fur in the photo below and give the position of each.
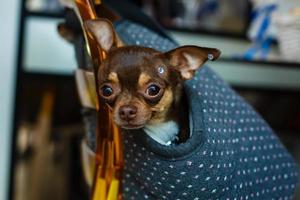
(162, 108)
(131, 71)
(131, 77)
(144, 79)
(113, 77)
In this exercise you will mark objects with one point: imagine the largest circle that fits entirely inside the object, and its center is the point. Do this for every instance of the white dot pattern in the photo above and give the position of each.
(239, 156)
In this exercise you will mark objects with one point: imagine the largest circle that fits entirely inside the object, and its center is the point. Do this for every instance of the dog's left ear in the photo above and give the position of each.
(103, 31)
(187, 59)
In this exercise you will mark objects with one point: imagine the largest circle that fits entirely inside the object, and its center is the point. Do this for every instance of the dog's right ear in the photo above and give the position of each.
(102, 30)
(187, 59)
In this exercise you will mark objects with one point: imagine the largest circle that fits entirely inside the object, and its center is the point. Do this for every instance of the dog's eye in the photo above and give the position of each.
(153, 90)
(106, 91)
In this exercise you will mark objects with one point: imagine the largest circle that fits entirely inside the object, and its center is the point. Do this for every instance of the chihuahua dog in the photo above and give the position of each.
(144, 87)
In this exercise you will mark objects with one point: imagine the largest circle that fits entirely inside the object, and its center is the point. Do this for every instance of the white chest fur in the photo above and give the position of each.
(163, 133)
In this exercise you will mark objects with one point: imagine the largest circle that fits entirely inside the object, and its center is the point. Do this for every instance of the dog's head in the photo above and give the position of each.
(141, 84)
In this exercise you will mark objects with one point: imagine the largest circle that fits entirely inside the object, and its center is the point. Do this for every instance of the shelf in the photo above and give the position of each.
(255, 75)
(45, 51)
(263, 63)
(232, 48)
(45, 14)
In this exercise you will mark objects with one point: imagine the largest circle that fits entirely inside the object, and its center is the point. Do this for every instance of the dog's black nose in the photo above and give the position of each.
(127, 112)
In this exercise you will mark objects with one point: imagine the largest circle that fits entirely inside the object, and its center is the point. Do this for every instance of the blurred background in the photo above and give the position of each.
(40, 115)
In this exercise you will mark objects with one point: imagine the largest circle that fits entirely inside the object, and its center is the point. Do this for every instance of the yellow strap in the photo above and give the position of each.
(113, 190)
(100, 190)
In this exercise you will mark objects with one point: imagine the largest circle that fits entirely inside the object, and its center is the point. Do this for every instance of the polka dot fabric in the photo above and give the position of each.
(232, 153)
